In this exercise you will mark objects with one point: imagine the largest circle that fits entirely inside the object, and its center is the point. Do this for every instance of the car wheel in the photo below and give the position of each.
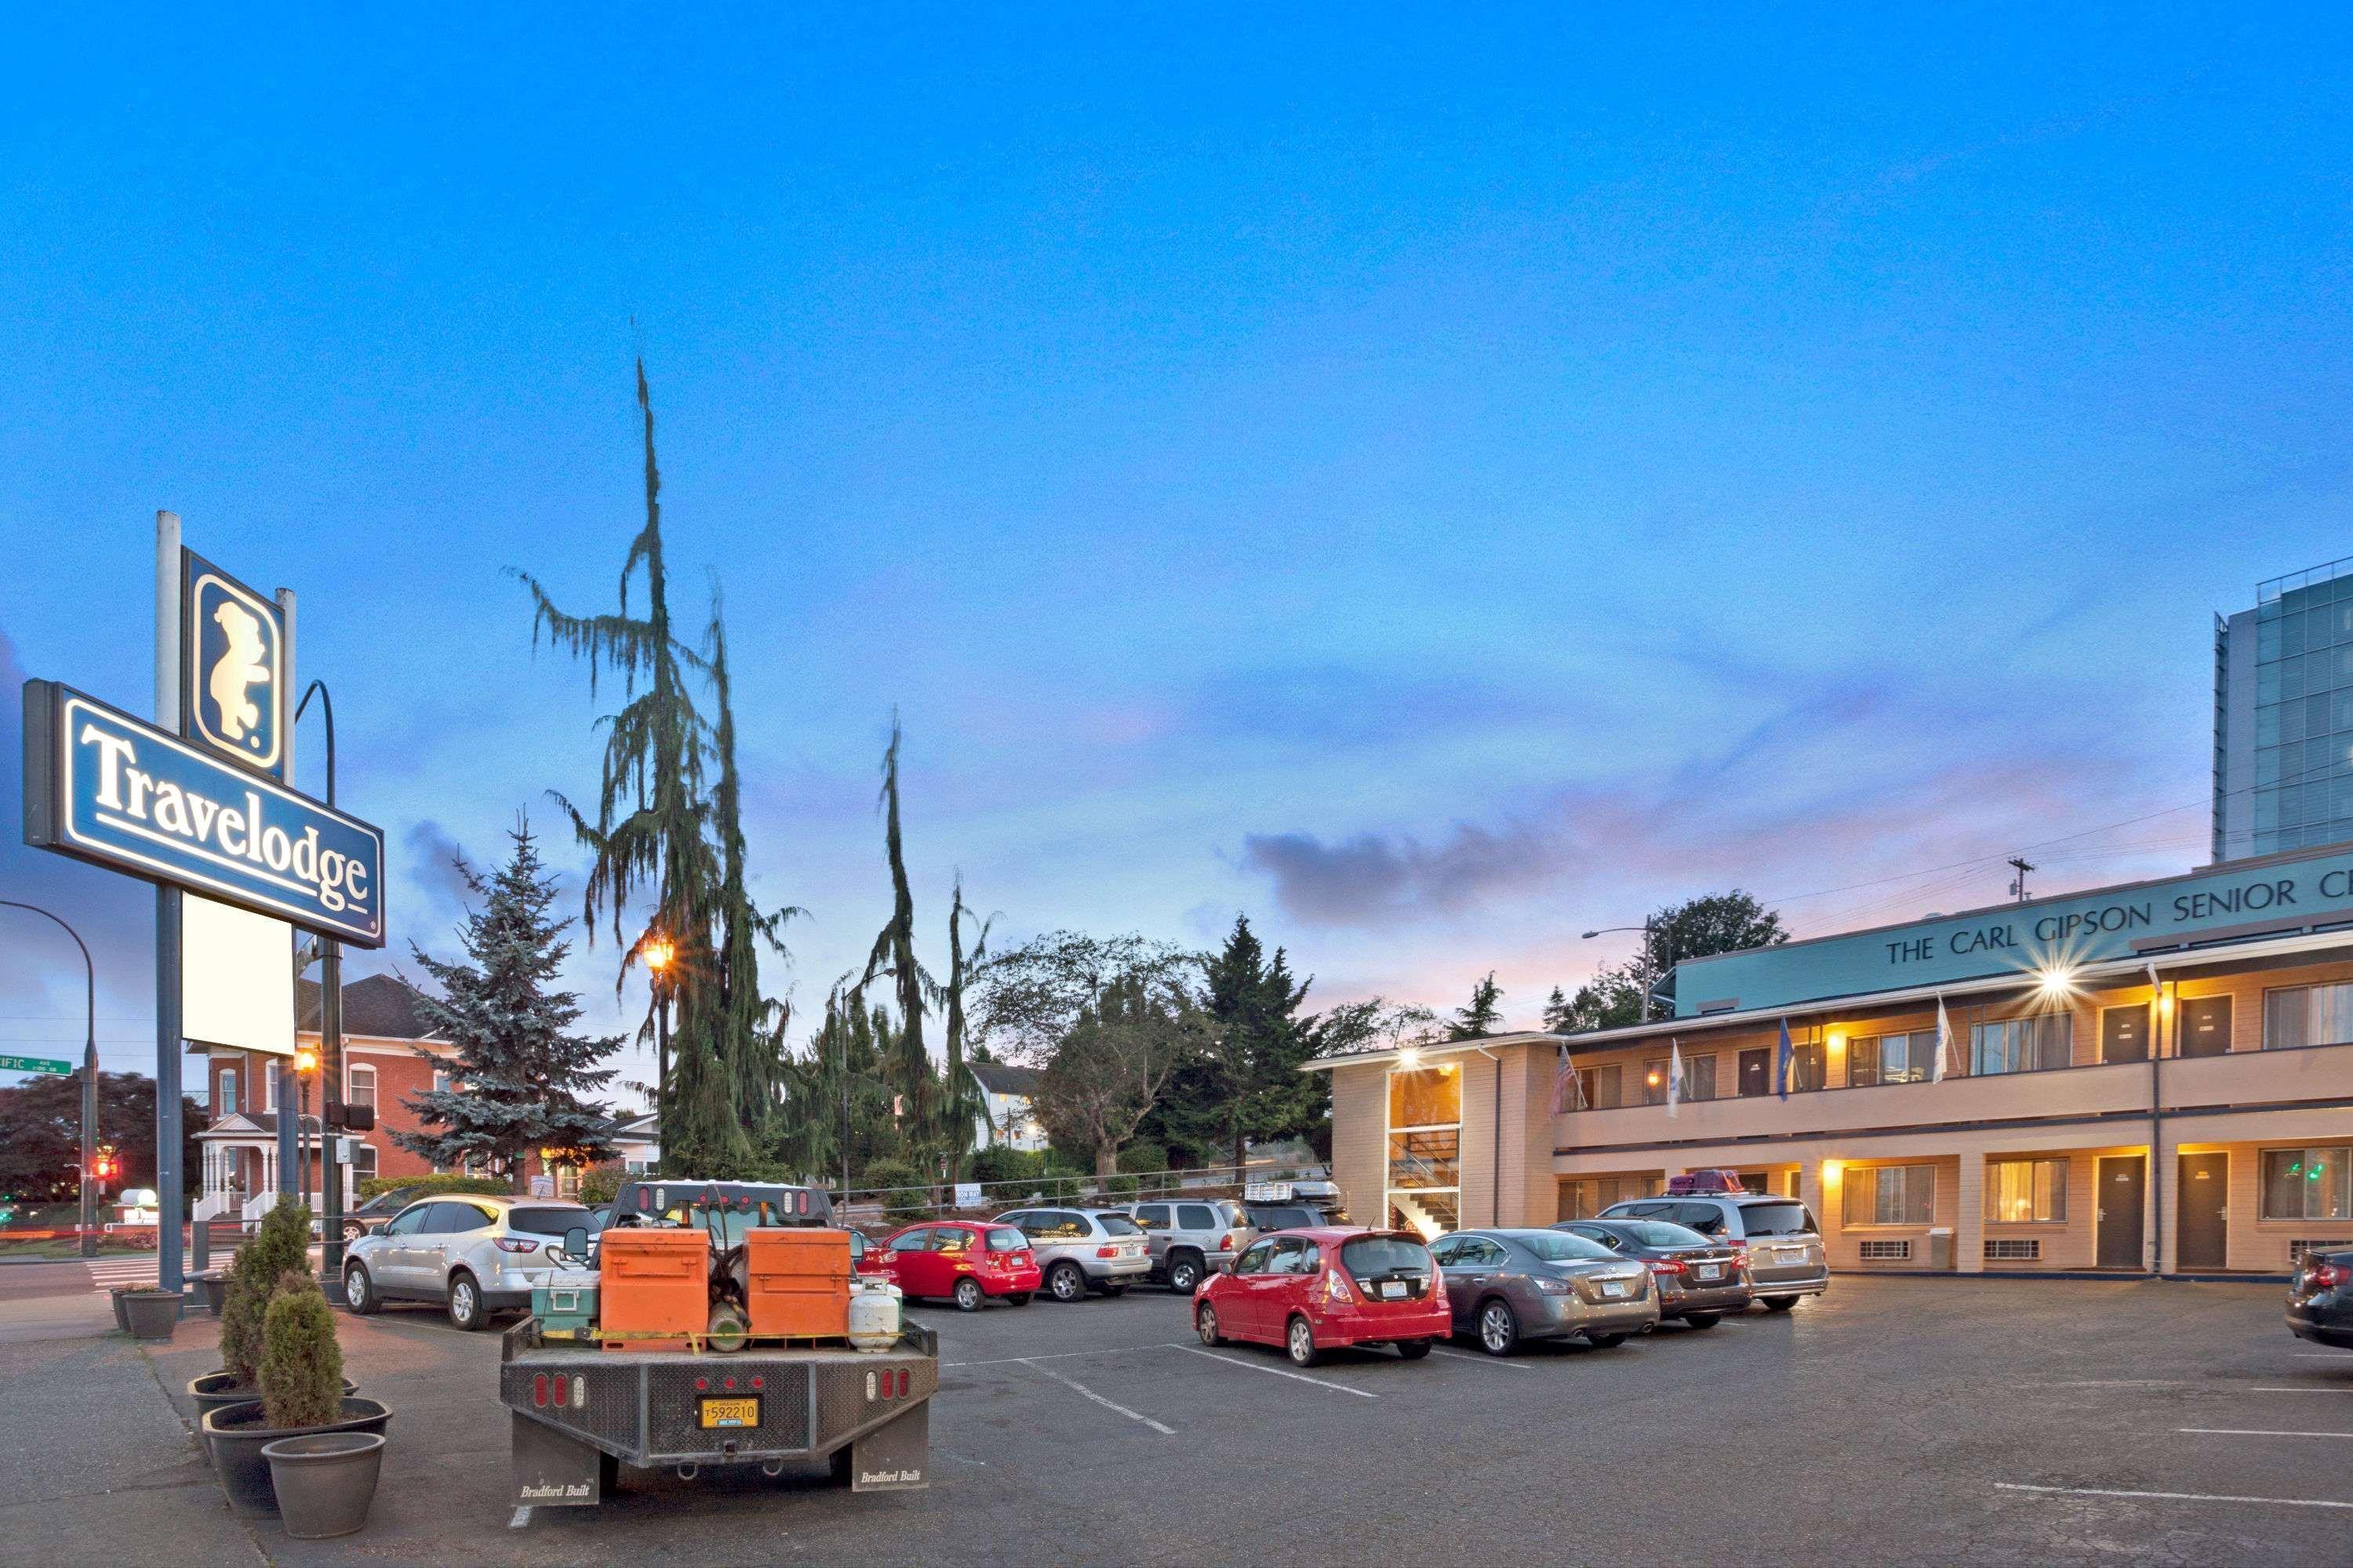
(1780, 1303)
(1020, 1298)
(1606, 1342)
(465, 1302)
(359, 1291)
(1299, 1343)
(1204, 1323)
(354, 1233)
(1184, 1274)
(1065, 1282)
(1702, 1319)
(1413, 1350)
(967, 1295)
(1499, 1328)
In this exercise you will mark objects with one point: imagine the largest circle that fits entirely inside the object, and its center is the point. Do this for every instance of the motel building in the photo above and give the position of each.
(2156, 1078)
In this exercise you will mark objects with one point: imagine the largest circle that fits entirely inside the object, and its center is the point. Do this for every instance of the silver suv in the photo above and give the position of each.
(1188, 1239)
(472, 1255)
(1081, 1250)
(1780, 1246)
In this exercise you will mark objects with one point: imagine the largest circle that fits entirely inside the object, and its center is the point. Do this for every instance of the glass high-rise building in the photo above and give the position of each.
(2284, 716)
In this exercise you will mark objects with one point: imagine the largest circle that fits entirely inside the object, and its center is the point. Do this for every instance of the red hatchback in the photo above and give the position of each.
(1311, 1290)
(965, 1262)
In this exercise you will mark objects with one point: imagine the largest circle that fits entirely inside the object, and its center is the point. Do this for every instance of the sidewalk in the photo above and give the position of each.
(105, 1470)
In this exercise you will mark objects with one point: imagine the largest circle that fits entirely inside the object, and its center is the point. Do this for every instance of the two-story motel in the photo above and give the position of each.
(2156, 1076)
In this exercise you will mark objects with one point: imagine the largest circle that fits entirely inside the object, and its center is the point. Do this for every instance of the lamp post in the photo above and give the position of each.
(330, 1043)
(656, 950)
(1663, 936)
(88, 1234)
(306, 1068)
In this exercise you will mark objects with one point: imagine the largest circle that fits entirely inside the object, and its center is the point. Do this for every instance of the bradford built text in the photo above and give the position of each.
(2193, 908)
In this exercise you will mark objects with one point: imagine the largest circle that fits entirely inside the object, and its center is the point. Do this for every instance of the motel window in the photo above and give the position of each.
(1601, 1088)
(1654, 1080)
(228, 1106)
(1699, 1078)
(2308, 1015)
(2308, 1184)
(1425, 1147)
(2022, 1044)
(363, 1087)
(1891, 1196)
(1891, 1059)
(2019, 1191)
(1806, 1070)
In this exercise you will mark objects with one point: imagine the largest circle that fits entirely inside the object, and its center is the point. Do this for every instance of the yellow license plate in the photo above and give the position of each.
(731, 1412)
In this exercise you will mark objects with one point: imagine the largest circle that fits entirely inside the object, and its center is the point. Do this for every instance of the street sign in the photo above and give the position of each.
(233, 671)
(119, 792)
(35, 1065)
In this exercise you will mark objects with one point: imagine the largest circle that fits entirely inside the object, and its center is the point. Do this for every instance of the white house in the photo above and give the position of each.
(637, 1143)
(1006, 1120)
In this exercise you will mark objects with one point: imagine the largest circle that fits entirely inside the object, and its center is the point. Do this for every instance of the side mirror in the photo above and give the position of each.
(575, 1241)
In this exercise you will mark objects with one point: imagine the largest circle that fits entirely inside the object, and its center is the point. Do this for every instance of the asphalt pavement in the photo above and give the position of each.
(1893, 1421)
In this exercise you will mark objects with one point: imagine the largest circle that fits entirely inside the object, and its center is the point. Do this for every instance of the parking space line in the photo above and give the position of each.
(1081, 1389)
(522, 1517)
(1276, 1371)
(2277, 1389)
(1494, 1362)
(1056, 1356)
(2171, 1497)
(2254, 1432)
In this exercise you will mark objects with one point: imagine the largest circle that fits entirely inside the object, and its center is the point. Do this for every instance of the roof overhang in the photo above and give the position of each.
(1424, 1050)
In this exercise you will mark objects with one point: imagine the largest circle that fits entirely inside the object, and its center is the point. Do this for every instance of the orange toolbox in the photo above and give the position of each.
(799, 1282)
(653, 1282)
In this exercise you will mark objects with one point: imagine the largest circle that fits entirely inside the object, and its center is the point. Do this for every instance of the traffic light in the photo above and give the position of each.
(105, 1167)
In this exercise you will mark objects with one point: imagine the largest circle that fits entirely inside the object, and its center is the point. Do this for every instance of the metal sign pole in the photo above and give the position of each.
(289, 1120)
(168, 1045)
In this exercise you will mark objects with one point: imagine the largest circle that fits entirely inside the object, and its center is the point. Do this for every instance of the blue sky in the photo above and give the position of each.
(1436, 484)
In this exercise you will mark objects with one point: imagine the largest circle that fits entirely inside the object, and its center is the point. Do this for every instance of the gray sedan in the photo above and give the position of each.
(1507, 1286)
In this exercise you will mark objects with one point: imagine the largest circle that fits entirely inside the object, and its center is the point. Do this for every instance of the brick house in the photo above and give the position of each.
(388, 1054)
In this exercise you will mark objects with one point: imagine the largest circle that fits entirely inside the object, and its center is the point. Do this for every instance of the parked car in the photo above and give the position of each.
(1505, 1286)
(1698, 1280)
(1079, 1250)
(1272, 1206)
(1775, 1236)
(1187, 1239)
(962, 1261)
(2320, 1300)
(376, 1211)
(471, 1254)
(1309, 1291)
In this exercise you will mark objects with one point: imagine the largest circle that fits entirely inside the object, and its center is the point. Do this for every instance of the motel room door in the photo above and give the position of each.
(2204, 1241)
(1756, 1071)
(2122, 1194)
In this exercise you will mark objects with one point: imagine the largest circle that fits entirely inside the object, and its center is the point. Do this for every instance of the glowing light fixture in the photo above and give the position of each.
(657, 952)
(2055, 980)
(306, 1060)
(1409, 1059)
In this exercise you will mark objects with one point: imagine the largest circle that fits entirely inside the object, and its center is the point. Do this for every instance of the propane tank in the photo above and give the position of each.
(873, 1313)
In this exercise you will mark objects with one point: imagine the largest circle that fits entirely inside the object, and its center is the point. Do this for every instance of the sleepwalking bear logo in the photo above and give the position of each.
(236, 664)
(236, 673)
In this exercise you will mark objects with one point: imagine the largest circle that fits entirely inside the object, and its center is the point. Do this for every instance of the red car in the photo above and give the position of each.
(962, 1261)
(1311, 1290)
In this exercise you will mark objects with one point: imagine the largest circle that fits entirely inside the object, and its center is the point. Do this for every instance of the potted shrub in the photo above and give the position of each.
(151, 1313)
(282, 1244)
(300, 1375)
(324, 1477)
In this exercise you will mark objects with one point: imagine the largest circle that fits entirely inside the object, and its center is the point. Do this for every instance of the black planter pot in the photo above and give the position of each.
(209, 1288)
(121, 1313)
(215, 1390)
(237, 1436)
(151, 1314)
(325, 1483)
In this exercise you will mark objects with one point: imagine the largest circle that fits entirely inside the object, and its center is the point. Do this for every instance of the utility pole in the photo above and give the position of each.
(331, 1051)
(2020, 865)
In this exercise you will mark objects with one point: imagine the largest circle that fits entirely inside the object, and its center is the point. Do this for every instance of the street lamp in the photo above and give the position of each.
(1654, 933)
(656, 952)
(306, 1068)
(331, 1041)
(89, 1233)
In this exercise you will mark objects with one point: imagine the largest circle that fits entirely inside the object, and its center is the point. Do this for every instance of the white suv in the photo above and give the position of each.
(471, 1254)
(1081, 1250)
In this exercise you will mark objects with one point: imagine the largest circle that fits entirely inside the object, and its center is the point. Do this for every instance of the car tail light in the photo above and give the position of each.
(1226, 1242)
(538, 1389)
(2329, 1275)
(1336, 1288)
(1106, 1251)
(1436, 1295)
(517, 1243)
(1669, 1265)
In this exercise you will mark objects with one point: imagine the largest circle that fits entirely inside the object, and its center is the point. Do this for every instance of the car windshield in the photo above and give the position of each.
(1005, 1238)
(1658, 1233)
(1119, 1226)
(1776, 1220)
(548, 1221)
(1559, 1246)
(1374, 1257)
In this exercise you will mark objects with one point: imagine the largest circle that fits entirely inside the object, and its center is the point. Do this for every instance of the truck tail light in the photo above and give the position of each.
(538, 1389)
(579, 1389)
(557, 1391)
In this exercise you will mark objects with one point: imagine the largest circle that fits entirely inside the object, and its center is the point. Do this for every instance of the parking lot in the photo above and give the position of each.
(1895, 1420)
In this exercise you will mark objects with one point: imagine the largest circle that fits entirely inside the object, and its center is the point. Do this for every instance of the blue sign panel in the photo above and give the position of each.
(2276, 895)
(233, 670)
(117, 791)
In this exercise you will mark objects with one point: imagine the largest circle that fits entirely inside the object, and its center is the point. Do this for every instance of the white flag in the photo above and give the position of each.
(1674, 1075)
(1944, 1041)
